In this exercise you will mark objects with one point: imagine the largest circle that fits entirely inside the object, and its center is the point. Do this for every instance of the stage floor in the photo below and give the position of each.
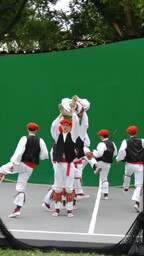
(96, 221)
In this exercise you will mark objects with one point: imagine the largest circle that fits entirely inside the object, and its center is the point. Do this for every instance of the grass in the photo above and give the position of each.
(39, 253)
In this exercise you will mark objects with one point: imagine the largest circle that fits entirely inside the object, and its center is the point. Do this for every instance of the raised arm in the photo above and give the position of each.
(54, 127)
(75, 126)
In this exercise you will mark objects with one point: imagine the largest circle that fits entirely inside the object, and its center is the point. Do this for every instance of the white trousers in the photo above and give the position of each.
(47, 198)
(79, 172)
(78, 179)
(62, 180)
(103, 181)
(24, 172)
(137, 170)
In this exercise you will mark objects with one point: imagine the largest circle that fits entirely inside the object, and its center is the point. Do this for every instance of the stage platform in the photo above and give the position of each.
(95, 222)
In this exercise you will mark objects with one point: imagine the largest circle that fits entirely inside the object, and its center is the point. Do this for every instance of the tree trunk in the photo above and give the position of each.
(128, 18)
(118, 29)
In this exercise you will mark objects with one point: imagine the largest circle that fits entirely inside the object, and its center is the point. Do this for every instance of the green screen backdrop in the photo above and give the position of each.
(110, 76)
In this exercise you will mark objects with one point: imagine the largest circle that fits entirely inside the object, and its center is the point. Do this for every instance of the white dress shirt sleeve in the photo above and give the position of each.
(75, 127)
(83, 126)
(122, 151)
(44, 151)
(99, 151)
(54, 128)
(16, 158)
(87, 141)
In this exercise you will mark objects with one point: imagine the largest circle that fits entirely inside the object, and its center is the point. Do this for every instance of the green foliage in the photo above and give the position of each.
(87, 24)
(126, 16)
(33, 24)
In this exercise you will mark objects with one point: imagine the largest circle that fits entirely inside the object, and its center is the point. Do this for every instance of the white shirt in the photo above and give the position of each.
(74, 130)
(83, 127)
(122, 151)
(16, 158)
(101, 147)
(87, 141)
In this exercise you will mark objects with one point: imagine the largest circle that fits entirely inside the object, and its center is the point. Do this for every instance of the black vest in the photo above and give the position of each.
(134, 150)
(67, 148)
(108, 154)
(79, 148)
(32, 150)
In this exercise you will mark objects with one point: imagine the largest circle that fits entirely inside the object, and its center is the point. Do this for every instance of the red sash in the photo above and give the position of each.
(32, 165)
(77, 162)
(136, 162)
(63, 160)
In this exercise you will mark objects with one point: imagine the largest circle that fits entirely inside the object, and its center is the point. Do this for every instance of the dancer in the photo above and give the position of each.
(26, 156)
(63, 156)
(132, 153)
(104, 154)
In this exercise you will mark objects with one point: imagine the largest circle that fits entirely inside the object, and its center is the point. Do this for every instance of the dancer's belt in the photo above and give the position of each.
(63, 160)
(77, 162)
(32, 165)
(139, 162)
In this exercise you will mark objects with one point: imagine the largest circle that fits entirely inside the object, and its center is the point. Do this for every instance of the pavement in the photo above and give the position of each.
(96, 221)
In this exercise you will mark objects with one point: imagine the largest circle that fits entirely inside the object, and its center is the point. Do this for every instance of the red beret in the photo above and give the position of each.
(103, 132)
(66, 121)
(132, 130)
(32, 126)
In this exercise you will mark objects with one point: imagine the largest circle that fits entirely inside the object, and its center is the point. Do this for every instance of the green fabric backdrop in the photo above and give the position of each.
(110, 76)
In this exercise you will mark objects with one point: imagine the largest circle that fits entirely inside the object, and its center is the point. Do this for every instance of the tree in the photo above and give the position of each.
(125, 16)
(32, 24)
(86, 25)
(10, 12)
(28, 24)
